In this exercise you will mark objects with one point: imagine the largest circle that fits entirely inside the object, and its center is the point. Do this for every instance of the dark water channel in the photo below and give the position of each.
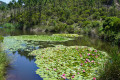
(22, 66)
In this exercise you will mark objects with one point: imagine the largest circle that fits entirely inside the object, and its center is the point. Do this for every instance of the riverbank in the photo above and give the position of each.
(3, 62)
(107, 29)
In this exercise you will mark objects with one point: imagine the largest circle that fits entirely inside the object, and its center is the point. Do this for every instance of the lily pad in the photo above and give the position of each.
(73, 62)
(68, 35)
(41, 38)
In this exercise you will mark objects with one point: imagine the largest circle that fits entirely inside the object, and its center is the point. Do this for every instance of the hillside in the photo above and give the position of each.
(2, 4)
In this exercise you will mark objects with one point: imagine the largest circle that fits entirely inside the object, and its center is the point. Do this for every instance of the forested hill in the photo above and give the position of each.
(3, 4)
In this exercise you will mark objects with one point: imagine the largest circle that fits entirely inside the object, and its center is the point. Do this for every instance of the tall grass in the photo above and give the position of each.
(3, 62)
(112, 68)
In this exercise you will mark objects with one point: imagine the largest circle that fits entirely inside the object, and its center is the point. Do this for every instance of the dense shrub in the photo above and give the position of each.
(103, 17)
(8, 25)
(62, 19)
(49, 13)
(85, 23)
(111, 27)
(70, 29)
(95, 24)
(75, 18)
(67, 13)
(60, 27)
(80, 23)
(96, 15)
(82, 19)
(85, 15)
(69, 21)
(112, 24)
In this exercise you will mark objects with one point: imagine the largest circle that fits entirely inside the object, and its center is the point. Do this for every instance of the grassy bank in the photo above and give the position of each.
(3, 62)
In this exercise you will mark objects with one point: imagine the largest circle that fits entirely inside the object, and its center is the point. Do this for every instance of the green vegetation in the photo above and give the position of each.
(92, 17)
(1, 38)
(67, 35)
(81, 16)
(14, 43)
(111, 28)
(3, 62)
(8, 25)
(74, 62)
(3, 4)
(40, 38)
(58, 15)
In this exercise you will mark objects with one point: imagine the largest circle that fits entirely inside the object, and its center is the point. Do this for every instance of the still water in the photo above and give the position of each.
(22, 66)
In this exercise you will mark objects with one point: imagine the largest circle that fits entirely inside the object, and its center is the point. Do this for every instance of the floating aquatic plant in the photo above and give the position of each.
(67, 35)
(40, 38)
(74, 62)
(27, 42)
(13, 44)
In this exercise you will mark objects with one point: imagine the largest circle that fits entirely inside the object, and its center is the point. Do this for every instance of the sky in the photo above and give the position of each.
(7, 1)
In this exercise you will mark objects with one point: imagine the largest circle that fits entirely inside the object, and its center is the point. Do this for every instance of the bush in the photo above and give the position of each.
(85, 15)
(75, 18)
(69, 21)
(82, 19)
(62, 19)
(67, 13)
(112, 24)
(103, 17)
(1, 38)
(85, 23)
(111, 27)
(80, 23)
(96, 15)
(49, 13)
(87, 12)
(60, 27)
(8, 25)
(70, 29)
(95, 24)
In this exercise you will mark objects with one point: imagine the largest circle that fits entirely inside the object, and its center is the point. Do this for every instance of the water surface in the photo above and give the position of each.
(22, 66)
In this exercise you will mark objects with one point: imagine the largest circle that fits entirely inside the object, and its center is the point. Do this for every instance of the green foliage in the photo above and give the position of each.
(40, 38)
(96, 15)
(95, 24)
(112, 11)
(67, 35)
(85, 23)
(85, 15)
(60, 27)
(49, 13)
(62, 19)
(70, 28)
(1, 38)
(80, 23)
(103, 17)
(3, 63)
(111, 27)
(69, 21)
(8, 25)
(75, 18)
(112, 24)
(3, 4)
